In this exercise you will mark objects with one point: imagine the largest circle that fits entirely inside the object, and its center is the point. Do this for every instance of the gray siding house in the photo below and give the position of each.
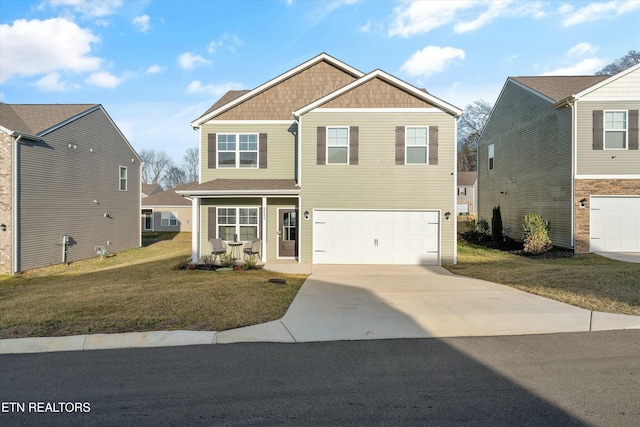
(328, 165)
(166, 211)
(566, 147)
(69, 185)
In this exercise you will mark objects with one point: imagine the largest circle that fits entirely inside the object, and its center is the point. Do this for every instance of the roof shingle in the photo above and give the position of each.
(559, 87)
(34, 119)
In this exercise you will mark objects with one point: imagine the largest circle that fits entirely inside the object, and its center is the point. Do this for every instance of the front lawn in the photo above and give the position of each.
(140, 290)
(584, 280)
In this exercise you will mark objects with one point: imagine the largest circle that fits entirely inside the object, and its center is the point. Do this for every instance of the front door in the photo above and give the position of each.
(288, 233)
(147, 215)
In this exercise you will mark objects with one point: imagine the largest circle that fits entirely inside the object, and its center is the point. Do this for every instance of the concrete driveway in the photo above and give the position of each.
(340, 302)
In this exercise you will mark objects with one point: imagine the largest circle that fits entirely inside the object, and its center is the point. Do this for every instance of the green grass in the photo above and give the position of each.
(587, 280)
(140, 290)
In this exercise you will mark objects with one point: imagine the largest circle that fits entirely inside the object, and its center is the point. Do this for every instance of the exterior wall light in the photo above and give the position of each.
(583, 203)
(447, 215)
(306, 214)
(3, 227)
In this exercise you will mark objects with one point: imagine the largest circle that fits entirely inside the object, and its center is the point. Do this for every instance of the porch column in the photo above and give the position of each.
(263, 249)
(195, 229)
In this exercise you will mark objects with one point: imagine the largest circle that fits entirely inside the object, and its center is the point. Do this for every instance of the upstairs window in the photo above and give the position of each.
(337, 145)
(123, 178)
(615, 130)
(491, 156)
(462, 191)
(417, 143)
(237, 150)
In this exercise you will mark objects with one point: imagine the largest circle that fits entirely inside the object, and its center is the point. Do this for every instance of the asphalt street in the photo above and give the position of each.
(557, 379)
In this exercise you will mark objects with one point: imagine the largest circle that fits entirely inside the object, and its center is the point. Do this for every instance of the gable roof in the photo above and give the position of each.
(235, 97)
(149, 189)
(166, 198)
(467, 178)
(37, 119)
(418, 93)
(557, 88)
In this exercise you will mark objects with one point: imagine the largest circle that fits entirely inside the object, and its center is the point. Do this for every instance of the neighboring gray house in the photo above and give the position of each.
(566, 147)
(69, 185)
(467, 193)
(328, 165)
(166, 211)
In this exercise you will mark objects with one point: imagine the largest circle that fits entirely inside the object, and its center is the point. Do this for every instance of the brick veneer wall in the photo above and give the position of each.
(594, 187)
(6, 147)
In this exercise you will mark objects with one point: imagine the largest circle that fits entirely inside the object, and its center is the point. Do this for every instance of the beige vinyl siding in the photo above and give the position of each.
(58, 186)
(593, 162)
(281, 149)
(532, 166)
(377, 182)
(622, 88)
(183, 214)
(6, 149)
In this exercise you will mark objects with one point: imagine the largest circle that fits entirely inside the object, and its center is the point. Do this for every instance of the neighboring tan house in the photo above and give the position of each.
(166, 211)
(69, 185)
(150, 189)
(566, 148)
(328, 165)
(467, 193)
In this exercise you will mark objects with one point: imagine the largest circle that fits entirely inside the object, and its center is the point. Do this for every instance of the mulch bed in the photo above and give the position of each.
(512, 246)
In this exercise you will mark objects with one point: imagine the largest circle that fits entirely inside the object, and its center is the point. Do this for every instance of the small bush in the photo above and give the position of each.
(536, 234)
(226, 259)
(496, 225)
(482, 226)
(208, 260)
(251, 263)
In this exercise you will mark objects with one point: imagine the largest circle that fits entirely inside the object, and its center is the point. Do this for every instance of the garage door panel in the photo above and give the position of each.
(376, 237)
(615, 224)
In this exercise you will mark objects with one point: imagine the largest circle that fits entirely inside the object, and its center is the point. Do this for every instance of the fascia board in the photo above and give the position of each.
(69, 120)
(322, 57)
(238, 193)
(389, 78)
(527, 88)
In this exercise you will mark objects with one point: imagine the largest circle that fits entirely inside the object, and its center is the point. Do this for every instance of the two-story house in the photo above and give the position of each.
(566, 147)
(165, 211)
(328, 165)
(69, 185)
(467, 193)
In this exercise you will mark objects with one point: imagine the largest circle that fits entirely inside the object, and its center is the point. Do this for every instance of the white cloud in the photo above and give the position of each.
(585, 67)
(597, 11)
(431, 60)
(52, 83)
(419, 17)
(189, 61)
(155, 69)
(142, 23)
(582, 49)
(86, 8)
(230, 41)
(196, 87)
(365, 28)
(34, 47)
(104, 79)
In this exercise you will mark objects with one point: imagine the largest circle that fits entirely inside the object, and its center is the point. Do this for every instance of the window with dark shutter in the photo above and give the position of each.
(399, 145)
(598, 130)
(433, 145)
(353, 145)
(263, 150)
(633, 129)
(322, 145)
(211, 150)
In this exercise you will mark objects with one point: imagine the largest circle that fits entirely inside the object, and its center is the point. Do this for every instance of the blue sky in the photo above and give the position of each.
(157, 65)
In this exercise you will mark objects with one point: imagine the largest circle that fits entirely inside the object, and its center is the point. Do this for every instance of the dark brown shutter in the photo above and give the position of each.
(322, 145)
(598, 130)
(433, 145)
(399, 145)
(633, 129)
(211, 223)
(262, 150)
(353, 145)
(212, 150)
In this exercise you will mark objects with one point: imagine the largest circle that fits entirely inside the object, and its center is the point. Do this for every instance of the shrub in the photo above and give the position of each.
(496, 225)
(482, 226)
(208, 260)
(536, 234)
(226, 259)
(470, 224)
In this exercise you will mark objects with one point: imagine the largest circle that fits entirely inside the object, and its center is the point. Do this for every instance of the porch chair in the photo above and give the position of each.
(252, 248)
(218, 247)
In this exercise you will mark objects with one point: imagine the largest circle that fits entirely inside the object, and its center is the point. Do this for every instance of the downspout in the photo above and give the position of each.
(455, 198)
(299, 184)
(574, 169)
(14, 206)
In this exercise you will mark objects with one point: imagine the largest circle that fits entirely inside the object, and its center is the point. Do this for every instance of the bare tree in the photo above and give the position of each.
(191, 164)
(155, 166)
(630, 59)
(173, 177)
(470, 127)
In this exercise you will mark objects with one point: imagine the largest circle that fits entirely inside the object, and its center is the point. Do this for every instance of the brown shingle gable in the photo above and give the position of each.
(377, 93)
(467, 178)
(166, 198)
(34, 119)
(559, 87)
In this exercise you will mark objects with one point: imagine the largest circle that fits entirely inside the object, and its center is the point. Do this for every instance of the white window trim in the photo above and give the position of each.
(491, 155)
(144, 219)
(169, 217)
(238, 151)
(406, 157)
(348, 128)
(626, 129)
(237, 224)
(126, 178)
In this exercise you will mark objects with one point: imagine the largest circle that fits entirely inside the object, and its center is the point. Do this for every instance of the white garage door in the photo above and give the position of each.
(615, 224)
(375, 237)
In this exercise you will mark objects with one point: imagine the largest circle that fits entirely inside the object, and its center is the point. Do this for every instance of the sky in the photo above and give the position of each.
(156, 66)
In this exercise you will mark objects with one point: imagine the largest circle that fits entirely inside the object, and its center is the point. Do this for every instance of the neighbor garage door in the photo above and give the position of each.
(615, 224)
(376, 237)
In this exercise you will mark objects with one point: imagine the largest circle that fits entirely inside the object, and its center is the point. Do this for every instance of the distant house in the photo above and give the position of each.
(166, 211)
(566, 148)
(325, 164)
(150, 189)
(69, 185)
(467, 193)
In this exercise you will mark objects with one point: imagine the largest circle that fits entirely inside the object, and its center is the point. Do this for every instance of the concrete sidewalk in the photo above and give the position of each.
(358, 302)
